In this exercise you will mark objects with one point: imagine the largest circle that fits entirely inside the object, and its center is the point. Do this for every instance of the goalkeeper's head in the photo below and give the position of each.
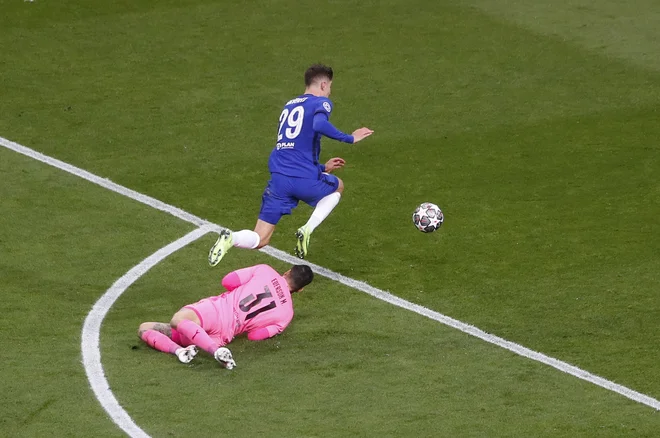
(298, 277)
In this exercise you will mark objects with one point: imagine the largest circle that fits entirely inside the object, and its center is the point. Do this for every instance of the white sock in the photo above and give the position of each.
(322, 210)
(246, 239)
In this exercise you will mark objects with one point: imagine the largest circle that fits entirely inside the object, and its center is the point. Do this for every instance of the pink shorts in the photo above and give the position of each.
(212, 319)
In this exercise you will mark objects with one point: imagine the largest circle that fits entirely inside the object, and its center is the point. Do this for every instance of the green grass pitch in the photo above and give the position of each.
(534, 127)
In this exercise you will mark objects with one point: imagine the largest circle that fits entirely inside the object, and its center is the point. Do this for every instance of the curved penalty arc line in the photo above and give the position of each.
(91, 352)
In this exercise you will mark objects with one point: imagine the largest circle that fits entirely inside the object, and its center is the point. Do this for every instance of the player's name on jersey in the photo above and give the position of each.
(278, 291)
(296, 100)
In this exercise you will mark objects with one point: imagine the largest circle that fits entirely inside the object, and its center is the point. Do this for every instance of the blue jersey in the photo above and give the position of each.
(298, 145)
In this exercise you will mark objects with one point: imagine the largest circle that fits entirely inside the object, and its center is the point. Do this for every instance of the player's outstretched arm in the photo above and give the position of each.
(323, 126)
(361, 134)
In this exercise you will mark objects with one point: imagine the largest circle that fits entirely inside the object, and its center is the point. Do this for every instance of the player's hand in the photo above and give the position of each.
(334, 164)
(361, 134)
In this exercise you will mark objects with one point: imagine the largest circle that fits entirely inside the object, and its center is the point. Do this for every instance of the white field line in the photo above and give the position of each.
(358, 285)
(91, 352)
(104, 182)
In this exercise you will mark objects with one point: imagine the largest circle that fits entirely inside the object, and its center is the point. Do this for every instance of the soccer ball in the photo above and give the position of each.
(428, 217)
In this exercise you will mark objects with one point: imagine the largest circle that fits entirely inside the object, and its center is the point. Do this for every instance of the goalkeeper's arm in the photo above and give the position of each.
(264, 333)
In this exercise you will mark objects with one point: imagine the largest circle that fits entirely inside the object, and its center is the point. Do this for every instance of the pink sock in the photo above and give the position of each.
(197, 336)
(160, 341)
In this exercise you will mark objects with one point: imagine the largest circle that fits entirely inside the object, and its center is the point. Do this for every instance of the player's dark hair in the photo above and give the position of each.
(300, 276)
(317, 71)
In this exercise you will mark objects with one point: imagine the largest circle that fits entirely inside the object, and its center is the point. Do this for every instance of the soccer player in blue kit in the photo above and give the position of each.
(295, 171)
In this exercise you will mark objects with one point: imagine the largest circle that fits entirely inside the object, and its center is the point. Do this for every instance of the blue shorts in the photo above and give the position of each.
(283, 193)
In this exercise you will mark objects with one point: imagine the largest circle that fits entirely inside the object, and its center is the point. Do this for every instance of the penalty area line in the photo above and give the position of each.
(91, 332)
(355, 284)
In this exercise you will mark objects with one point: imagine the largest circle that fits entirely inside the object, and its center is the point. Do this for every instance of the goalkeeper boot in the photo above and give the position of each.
(224, 357)
(186, 354)
(302, 241)
(220, 248)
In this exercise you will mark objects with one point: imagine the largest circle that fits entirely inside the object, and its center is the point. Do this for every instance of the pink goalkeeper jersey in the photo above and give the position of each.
(260, 301)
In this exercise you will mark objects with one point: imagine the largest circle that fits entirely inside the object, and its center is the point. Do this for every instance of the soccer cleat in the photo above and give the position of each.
(220, 248)
(187, 354)
(302, 242)
(224, 357)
